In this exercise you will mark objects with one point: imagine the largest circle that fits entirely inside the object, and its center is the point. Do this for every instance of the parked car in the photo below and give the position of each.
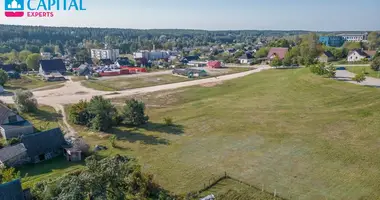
(340, 68)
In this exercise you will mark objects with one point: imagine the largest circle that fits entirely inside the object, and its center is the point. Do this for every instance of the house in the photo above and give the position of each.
(83, 70)
(354, 37)
(46, 55)
(52, 66)
(371, 54)
(44, 145)
(214, 64)
(13, 191)
(187, 59)
(13, 125)
(105, 62)
(332, 41)
(277, 52)
(8, 68)
(12, 156)
(326, 57)
(54, 77)
(357, 55)
(190, 73)
(246, 58)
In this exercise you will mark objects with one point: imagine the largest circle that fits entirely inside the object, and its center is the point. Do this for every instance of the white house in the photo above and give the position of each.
(357, 55)
(246, 59)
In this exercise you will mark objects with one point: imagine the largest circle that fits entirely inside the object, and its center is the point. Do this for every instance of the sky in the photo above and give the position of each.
(313, 15)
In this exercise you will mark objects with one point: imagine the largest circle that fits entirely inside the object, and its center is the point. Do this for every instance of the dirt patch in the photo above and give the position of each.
(212, 84)
(81, 92)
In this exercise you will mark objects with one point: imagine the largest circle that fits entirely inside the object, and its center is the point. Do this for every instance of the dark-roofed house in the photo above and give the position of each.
(105, 61)
(52, 66)
(8, 68)
(44, 145)
(246, 58)
(277, 52)
(326, 57)
(12, 156)
(13, 125)
(11, 191)
(357, 55)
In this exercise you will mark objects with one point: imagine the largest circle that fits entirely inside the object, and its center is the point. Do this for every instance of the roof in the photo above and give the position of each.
(89, 61)
(53, 65)
(280, 52)
(16, 125)
(370, 53)
(360, 52)
(214, 63)
(7, 68)
(328, 54)
(4, 113)
(43, 142)
(11, 191)
(106, 61)
(9, 152)
(246, 56)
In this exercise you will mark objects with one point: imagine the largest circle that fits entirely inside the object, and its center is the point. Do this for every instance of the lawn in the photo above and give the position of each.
(302, 135)
(124, 83)
(368, 70)
(135, 82)
(45, 118)
(30, 82)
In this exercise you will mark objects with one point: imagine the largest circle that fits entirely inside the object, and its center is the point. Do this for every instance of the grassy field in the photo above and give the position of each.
(29, 82)
(45, 118)
(369, 72)
(303, 135)
(123, 83)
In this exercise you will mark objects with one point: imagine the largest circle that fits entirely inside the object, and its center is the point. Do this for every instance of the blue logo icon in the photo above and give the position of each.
(14, 5)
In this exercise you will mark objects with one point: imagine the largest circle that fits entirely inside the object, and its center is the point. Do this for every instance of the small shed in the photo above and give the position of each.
(73, 154)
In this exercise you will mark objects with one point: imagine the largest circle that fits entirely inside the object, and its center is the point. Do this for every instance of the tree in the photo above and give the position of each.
(276, 62)
(261, 53)
(373, 40)
(112, 140)
(23, 55)
(352, 45)
(331, 71)
(359, 77)
(375, 65)
(33, 61)
(3, 77)
(25, 101)
(78, 113)
(8, 174)
(287, 59)
(134, 113)
(116, 177)
(101, 113)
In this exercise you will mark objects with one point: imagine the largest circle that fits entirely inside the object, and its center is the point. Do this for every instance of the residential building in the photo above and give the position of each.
(246, 58)
(13, 125)
(326, 57)
(12, 156)
(190, 73)
(357, 55)
(52, 66)
(111, 54)
(332, 41)
(8, 68)
(277, 52)
(46, 55)
(44, 145)
(214, 64)
(13, 191)
(371, 54)
(354, 37)
(152, 55)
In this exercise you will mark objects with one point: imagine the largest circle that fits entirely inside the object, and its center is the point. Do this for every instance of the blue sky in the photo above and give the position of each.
(323, 15)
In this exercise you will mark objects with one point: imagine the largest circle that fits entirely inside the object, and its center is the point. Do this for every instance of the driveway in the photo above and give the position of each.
(344, 75)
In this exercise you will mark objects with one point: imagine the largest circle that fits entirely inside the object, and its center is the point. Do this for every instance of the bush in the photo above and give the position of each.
(134, 113)
(112, 140)
(96, 75)
(359, 77)
(78, 113)
(3, 77)
(319, 69)
(25, 101)
(13, 141)
(276, 62)
(168, 121)
(375, 65)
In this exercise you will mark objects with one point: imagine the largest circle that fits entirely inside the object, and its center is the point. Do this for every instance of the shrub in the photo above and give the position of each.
(3, 77)
(13, 141)
(25, 101)
(319, 69)
(134, 113)
(375, 65)
(359, 77)
(112, 140)
(168, 121)
(78, 113)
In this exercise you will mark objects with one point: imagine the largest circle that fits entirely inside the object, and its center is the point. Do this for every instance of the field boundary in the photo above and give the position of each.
(215, 180)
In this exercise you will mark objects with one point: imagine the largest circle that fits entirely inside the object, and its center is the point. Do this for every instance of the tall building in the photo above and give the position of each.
(111, 54)
(152, 55)
(332, 41)
(354, 37)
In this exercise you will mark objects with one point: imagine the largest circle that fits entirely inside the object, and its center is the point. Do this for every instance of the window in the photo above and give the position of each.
(12, 119)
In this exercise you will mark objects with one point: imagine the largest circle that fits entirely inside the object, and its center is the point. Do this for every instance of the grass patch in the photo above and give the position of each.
(367, 69)
(45, 118)
(302, 135)
(28, 82)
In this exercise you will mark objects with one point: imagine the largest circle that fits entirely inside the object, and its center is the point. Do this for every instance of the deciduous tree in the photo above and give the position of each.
(33, 61)
(25, 101)
(3, 77)
(134, 113)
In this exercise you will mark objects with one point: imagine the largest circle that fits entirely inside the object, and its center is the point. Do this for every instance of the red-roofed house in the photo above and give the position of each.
(214, 64)
(279, 52)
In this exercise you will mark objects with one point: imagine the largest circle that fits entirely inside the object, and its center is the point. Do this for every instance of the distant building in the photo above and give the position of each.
(246, 58)
(152, 55)
(277, 52)
(214, 64)
(52, 66)
(46, 55)
(332, 41)
(111, 54)
(326, 57)
(354, 37)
